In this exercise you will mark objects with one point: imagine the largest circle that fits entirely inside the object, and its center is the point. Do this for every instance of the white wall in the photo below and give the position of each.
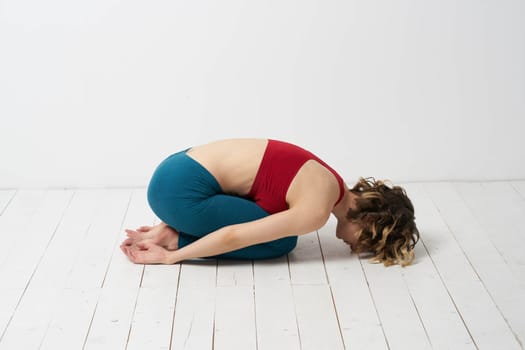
(97, 93)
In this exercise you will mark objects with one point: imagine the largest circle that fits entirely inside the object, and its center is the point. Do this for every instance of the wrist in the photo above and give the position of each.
(172, 257)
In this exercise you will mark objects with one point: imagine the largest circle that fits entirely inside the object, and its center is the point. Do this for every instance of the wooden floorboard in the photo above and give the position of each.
(477, 241)
(354, 304)
(64, 283)
(478, 311)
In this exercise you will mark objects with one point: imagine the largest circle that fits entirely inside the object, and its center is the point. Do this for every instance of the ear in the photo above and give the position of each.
(369, 217)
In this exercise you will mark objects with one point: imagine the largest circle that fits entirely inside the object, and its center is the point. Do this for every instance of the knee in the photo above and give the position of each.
(285, 245)
(290, 244)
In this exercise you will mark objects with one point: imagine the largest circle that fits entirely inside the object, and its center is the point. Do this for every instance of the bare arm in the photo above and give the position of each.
(310, 200)
(292, 222)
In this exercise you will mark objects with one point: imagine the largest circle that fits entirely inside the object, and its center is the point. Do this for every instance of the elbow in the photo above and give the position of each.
(310, 220)
(230, 238)
(320, 219)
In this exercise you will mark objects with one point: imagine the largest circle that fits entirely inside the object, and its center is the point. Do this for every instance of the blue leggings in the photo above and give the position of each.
(188, 198)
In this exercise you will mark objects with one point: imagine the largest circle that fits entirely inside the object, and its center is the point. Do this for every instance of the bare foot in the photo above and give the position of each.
(168, 238)
(143, 232)
(160, 234)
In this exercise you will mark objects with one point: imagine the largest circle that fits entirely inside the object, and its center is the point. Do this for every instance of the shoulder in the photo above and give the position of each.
(314, 188)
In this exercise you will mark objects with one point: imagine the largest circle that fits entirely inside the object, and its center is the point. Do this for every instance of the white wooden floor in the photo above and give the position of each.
(64, 283)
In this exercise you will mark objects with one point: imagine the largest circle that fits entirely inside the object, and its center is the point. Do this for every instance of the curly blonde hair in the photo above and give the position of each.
(386, 217)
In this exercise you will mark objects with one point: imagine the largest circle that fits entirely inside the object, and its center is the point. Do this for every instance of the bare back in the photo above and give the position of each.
(232, 162)
(235, 163)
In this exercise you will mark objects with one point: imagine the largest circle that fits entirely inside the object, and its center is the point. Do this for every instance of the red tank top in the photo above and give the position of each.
(280, 163)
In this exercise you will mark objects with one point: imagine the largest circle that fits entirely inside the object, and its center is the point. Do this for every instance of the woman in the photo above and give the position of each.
(251, 198)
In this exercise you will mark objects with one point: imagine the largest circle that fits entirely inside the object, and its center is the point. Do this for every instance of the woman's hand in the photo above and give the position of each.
(146, 252)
